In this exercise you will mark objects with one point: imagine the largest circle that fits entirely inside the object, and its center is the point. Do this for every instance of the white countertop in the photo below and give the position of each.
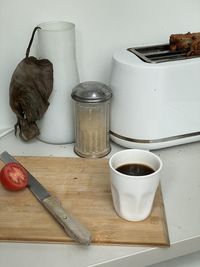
(181, 193)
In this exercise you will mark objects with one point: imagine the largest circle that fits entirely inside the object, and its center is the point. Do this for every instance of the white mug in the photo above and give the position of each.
(133, 195)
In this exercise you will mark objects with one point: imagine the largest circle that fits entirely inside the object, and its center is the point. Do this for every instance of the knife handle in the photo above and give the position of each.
(72, 227)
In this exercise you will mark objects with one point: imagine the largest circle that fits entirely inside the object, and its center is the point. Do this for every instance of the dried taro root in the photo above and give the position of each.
(30, 87)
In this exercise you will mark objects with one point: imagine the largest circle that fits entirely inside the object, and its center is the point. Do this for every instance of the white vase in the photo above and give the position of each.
(56, 42)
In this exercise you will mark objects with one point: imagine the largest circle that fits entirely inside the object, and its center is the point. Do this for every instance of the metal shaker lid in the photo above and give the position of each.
(91, 92)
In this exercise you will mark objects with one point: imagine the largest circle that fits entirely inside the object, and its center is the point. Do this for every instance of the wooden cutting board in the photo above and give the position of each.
(83, 187)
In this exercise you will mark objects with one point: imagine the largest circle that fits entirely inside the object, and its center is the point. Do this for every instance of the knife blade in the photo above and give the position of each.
(71, 226)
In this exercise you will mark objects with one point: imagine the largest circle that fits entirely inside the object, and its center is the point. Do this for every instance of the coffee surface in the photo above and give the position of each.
(135, 169)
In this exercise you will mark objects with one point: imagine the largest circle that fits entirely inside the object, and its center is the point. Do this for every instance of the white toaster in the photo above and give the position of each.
(156, 98)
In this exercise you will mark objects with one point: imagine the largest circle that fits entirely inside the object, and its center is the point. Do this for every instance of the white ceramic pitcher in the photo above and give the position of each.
(56, 42)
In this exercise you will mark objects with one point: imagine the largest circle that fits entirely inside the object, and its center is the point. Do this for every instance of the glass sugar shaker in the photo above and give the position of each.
(92, 116)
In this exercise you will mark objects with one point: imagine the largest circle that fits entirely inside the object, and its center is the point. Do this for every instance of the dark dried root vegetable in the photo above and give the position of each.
(30, 88)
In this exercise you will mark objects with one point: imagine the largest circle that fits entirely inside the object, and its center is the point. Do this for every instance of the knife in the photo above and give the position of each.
(71, 226)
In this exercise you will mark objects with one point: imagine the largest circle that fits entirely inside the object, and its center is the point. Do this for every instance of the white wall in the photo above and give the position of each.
(102, 26)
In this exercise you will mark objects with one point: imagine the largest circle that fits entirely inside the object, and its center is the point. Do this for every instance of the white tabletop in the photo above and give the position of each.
(181, 192)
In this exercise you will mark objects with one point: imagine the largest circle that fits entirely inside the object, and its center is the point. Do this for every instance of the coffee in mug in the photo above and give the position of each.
(134, 178)
(135, 169)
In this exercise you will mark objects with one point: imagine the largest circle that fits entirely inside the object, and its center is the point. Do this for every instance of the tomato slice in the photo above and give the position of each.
(13, 176)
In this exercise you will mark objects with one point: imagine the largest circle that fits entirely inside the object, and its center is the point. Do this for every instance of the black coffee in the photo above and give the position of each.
(135, 169)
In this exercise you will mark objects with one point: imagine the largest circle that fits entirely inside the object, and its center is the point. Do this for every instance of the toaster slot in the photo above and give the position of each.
(158, 54)
(167, 56)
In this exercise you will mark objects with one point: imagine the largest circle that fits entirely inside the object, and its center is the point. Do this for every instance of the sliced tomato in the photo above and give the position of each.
(13, 176)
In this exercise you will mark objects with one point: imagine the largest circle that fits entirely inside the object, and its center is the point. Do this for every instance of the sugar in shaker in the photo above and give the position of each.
(92, 116)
